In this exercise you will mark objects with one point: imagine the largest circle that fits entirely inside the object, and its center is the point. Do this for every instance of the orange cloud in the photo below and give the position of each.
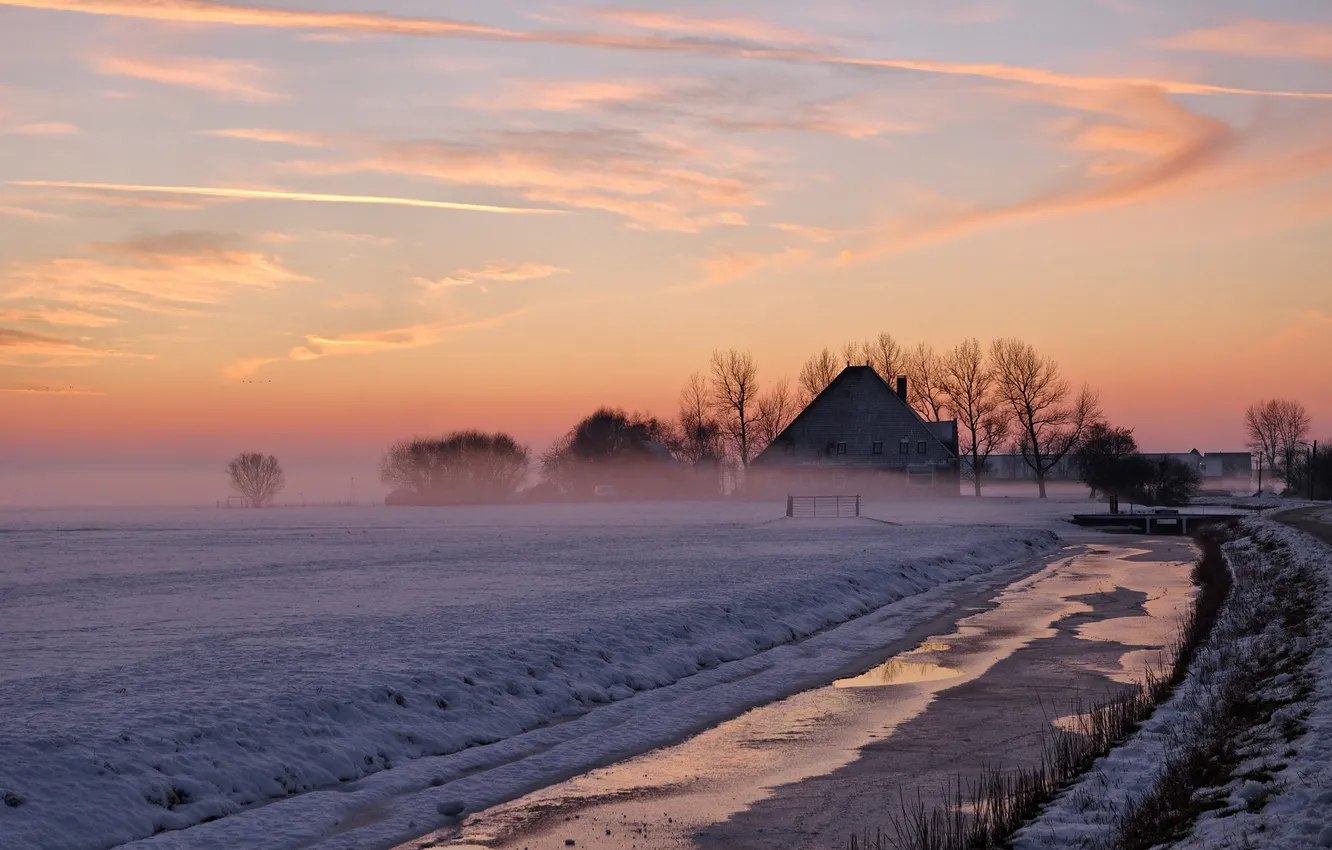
(652, 182)
(1258, 38)
(278, 195)
(44, 128)
(222, 77)
(318, 346)
(730, 266)
(199, 11)
(50, 390)
(1155, 147)
(501, 272)
(748, 29)
(25, 212)
(24, 348)
(284, 137)
(172, 273)
(48, 316)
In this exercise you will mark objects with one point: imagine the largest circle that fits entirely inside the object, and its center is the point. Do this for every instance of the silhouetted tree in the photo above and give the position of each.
(984, 421)
(1278, 431)
(1311, 473)
(607, 447)
(1109, 463)
(925, 382)
(700, 433)
(817, 373)
(460, 468)
(1170, 482)
(735, 393)
(885, 355)
(256, 476)
(777, 407)
(1049, 427)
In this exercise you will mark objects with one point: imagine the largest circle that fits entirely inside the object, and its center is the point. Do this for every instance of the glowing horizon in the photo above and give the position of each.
(233, 225)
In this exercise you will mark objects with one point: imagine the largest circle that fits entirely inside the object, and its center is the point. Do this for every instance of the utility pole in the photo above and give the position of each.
(1313, 457)
(1260, 473)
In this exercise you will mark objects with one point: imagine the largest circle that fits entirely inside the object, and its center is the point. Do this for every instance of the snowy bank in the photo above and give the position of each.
(166, 670)
(1241, 755)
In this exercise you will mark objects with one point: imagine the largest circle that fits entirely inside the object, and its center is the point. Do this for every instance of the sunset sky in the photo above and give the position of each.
(311, 227)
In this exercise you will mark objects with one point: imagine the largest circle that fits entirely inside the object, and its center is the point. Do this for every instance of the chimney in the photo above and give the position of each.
(902, 387)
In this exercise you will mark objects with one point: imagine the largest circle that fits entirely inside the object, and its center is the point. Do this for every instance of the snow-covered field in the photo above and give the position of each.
(163, 669)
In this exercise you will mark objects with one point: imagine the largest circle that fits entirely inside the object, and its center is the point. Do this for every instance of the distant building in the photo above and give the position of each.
(859, 436)
(1218, 470)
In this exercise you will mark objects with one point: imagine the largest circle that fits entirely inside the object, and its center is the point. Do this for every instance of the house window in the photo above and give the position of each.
(841, 448)
(921, 447)
(878, 448)
(904, 447)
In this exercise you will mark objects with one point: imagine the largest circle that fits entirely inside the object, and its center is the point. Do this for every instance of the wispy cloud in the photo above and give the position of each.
(284, 137)
(319, 346)
(281, 195)
(500, 272)
(26, 212)
(42, 128)
(172, 273)
(222, 77)
(25, 348)
(1259, 38)
(745, 29)
(65, 317)
(653, 182)
(1141, 143)
(200, 11)
(34, 389)
(729, 266)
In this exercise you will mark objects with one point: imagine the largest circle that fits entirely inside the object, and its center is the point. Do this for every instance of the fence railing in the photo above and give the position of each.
(822, 507)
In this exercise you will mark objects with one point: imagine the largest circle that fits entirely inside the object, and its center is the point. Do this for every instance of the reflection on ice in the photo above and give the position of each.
(897, 672)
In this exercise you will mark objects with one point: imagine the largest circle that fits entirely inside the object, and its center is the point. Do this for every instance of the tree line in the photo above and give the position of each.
(1005, 397)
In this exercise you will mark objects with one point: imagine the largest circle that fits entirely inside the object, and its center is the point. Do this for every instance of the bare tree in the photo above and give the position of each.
(256, 476)
(983, 420)
(699, 430)
(777, 407)
(735, 393)
(1049, 427)
(1278, 430)
(817, 373)
(925, 376)
(886, 356)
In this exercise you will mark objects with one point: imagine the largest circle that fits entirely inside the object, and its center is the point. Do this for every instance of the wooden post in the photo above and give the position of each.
(790, 506)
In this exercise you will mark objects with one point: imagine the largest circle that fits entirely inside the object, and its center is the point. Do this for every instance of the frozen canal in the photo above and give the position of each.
(808, 771)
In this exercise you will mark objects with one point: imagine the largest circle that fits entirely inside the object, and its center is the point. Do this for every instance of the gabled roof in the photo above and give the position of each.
(876, 380)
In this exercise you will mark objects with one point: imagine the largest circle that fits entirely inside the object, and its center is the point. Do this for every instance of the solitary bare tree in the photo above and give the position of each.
(1278, 430)
(817, 373)
(983, 420)
(735, 393)
(925, 377)
(1049, 427)
(700, 432)
(777, 407)
(256, 476)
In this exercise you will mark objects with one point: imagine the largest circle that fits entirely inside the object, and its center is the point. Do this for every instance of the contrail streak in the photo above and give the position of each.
(264, 195)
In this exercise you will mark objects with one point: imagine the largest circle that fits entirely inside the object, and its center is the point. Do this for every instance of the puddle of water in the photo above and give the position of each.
(670, 797)
(897, 672)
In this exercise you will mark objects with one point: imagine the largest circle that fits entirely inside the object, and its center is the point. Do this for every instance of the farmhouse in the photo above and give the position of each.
(859, 436)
